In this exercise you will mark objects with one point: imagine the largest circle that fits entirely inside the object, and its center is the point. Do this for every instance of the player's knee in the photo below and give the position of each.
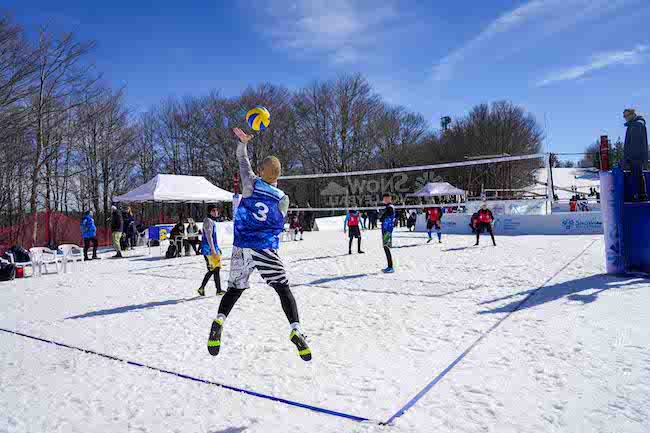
(281, 289)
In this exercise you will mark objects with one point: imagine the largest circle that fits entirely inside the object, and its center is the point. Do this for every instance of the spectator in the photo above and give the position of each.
(131, 232)
(364, 216)
(89, 233)
(635, 150)
(117, 224)
(410, 223)
(178, 232)
(193, 240)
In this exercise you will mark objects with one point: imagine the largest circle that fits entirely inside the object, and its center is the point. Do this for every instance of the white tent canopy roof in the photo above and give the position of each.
(433, 189)
(176, 189)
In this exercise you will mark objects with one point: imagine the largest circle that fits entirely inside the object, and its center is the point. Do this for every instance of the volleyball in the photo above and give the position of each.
(258, 118)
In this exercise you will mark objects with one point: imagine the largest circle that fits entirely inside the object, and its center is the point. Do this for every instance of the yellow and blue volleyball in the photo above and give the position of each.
(258, 118)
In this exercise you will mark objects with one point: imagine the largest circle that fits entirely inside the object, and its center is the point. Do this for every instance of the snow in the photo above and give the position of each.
(574, 357)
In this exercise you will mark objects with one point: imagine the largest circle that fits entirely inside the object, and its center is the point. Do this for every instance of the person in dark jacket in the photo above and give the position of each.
(176, 236)
(117, 224)
(129, 229)
(89, 233)
(485, 222)
(635, 150)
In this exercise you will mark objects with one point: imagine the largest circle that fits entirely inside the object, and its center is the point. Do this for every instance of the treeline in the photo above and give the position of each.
(70, 142)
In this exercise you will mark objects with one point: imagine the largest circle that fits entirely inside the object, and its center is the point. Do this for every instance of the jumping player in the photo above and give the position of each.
(434, 217)
(387, 224)
(352, 222)
(485, 222)
(210, 250)
(258, 222)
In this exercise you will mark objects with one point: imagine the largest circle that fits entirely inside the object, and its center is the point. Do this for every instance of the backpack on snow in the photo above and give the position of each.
(171, 251)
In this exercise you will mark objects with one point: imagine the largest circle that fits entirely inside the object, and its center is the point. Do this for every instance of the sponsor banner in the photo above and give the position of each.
(573, 223)
(570, 223)
(614, 261)
(510, 207)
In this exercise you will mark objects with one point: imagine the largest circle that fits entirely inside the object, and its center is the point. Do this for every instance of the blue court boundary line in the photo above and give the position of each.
(444, 372)
(196, 379)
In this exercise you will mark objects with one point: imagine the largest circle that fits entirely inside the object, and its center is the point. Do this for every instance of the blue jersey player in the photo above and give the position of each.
(258, 222)
(387, 225)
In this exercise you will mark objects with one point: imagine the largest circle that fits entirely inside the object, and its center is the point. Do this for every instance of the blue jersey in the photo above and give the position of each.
(258, 221)
(388, 219)
(205, 246)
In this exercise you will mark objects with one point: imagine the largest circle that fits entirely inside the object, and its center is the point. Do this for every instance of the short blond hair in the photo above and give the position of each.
(272, 164)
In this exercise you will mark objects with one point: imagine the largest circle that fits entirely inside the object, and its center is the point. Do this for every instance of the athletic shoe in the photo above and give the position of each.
(220, 293)
(361, 252)
(214, 341)
(201, 291)
(301, 344)
(388, 271)
(429, 240)
(476, 244)
(439, 241)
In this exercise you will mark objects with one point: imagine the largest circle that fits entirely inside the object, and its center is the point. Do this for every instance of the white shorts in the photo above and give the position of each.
(245, 260)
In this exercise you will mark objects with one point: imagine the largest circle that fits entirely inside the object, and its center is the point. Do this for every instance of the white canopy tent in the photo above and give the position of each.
(170, 188)
(437, 189)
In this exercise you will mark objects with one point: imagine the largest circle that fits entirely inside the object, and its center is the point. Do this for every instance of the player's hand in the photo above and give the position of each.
(214, 254)
(243, 137)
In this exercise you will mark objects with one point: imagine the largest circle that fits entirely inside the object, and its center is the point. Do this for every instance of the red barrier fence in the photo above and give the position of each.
(33, 231)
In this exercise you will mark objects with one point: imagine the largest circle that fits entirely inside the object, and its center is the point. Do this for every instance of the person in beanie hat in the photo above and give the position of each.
(210, 250)
(635, 150)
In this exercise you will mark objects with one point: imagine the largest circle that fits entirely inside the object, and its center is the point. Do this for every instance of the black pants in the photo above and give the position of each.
(637, 171)
(484, 226)
(354, 232)
(284, 292)
(211, 273)
(87, 242)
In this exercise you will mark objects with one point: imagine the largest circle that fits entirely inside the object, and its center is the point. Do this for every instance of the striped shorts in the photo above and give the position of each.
(245, 260)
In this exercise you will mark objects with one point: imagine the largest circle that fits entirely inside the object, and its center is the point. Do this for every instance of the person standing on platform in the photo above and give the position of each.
(635, 150)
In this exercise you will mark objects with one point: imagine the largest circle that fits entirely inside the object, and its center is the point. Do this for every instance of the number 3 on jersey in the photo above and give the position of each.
(262, 210)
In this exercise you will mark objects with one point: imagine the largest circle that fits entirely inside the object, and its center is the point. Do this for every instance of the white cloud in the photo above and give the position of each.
(524, 26)
(343, 30)
(636, 55)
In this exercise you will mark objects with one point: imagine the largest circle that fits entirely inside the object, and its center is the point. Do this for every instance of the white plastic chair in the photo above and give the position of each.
(41, 257)
(69, 256)
(23, 265)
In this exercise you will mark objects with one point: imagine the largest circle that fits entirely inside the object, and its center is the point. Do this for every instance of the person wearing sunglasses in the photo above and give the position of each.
(635, 150)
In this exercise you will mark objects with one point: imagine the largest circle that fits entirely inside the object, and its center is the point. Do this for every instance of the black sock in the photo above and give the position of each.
(388, 257)
(288, 303)
(359, 242)
(229, 300)
(350, 246)
(478, 233)
(217, 279)
(206, 278)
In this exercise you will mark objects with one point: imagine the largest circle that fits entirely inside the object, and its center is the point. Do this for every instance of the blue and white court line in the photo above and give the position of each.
(196, 379)
(444, 372)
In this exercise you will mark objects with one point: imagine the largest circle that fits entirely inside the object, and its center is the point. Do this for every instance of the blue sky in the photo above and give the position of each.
(575, 64)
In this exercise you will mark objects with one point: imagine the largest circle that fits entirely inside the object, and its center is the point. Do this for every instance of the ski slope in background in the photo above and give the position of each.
(575, 357)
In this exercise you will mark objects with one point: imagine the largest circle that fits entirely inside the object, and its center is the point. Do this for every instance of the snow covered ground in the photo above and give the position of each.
(574, 358)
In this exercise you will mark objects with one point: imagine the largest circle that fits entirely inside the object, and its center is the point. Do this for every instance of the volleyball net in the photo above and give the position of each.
(454, 183)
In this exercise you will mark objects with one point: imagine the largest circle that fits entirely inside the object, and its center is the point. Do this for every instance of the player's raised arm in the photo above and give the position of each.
(248, 176)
